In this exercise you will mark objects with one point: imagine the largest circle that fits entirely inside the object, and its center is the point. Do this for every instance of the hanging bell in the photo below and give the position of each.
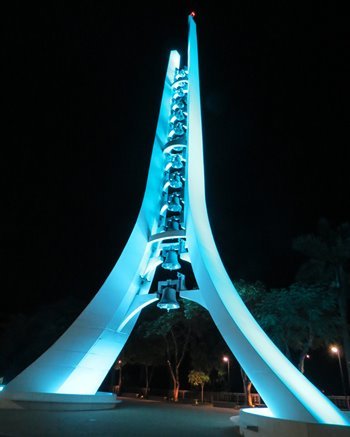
(161, 223)
(179, 93)
(179, 114)
(180, 103)
(179, 129)
(168, 300)
(174, 204)
(171, 261)
(173, 224)
(176, 162)
(180, 74)
(175, 180)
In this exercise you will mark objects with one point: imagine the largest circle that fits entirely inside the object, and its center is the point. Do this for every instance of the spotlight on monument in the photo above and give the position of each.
(168, 300)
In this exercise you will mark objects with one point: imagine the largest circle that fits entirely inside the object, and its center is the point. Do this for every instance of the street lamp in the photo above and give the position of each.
(227, 360)
(335, 350)
(119, 366)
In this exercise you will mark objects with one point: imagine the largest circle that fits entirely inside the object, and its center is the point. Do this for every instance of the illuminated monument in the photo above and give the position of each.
(172, 224)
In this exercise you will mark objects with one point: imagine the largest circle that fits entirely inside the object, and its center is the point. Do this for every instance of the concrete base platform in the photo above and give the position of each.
(256, 421)
(58, 402)
(133, 417)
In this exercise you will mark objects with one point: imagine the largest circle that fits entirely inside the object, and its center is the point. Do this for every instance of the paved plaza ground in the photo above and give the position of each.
(132, 417)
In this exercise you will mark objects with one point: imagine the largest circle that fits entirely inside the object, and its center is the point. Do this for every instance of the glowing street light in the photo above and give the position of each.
(119, 367)
(335, 350)
(226, 359)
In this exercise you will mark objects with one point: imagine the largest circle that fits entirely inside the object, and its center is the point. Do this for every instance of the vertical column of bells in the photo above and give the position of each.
(172, 208)
(171, 213)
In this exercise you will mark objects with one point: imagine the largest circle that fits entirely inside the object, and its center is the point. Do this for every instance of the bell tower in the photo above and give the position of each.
(172, 225)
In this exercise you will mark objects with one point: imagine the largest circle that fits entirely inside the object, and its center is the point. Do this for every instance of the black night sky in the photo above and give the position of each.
(82, 89)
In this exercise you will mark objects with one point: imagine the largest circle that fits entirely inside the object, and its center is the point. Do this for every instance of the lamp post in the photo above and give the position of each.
(335, 350)
(119, 366)
(227, 360)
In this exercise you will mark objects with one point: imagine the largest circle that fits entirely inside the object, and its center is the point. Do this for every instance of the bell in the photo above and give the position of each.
(168, 300)
(176, 162)
(179, 114)
(181, 74)
(179, 94)
(179, 128)
(175, 180)
(161, 223)
(171, 261)
(174, 204)
(180, 103)
(173, 224)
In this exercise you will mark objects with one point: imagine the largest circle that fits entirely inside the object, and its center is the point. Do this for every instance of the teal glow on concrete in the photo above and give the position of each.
(285, 390)
(79, 360)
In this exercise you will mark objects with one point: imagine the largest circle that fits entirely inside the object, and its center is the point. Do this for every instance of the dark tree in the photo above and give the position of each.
(25, 337)
(300, 318)
(174, 329)
(328, 261)
(147, 352)
(253, 295)
(188, 331)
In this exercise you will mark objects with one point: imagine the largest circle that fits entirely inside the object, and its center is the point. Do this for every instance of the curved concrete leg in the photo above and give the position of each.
(79, 360)
(285, 390)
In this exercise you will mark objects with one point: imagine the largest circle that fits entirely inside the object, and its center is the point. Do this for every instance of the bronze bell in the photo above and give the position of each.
(175, 180)
(173, 224)
(174, 204)
(168, 300)
(179, 129)
(179, 114)
(177, 162)
(171, 261)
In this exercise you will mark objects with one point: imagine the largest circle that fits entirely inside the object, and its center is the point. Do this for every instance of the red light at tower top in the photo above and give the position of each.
(193, 14)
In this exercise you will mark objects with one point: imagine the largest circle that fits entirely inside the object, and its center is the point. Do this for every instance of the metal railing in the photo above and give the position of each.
(341, 402)
(190, 395)
(215, 397)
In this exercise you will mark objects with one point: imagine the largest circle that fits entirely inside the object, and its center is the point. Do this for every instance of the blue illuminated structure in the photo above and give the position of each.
(173, 223)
